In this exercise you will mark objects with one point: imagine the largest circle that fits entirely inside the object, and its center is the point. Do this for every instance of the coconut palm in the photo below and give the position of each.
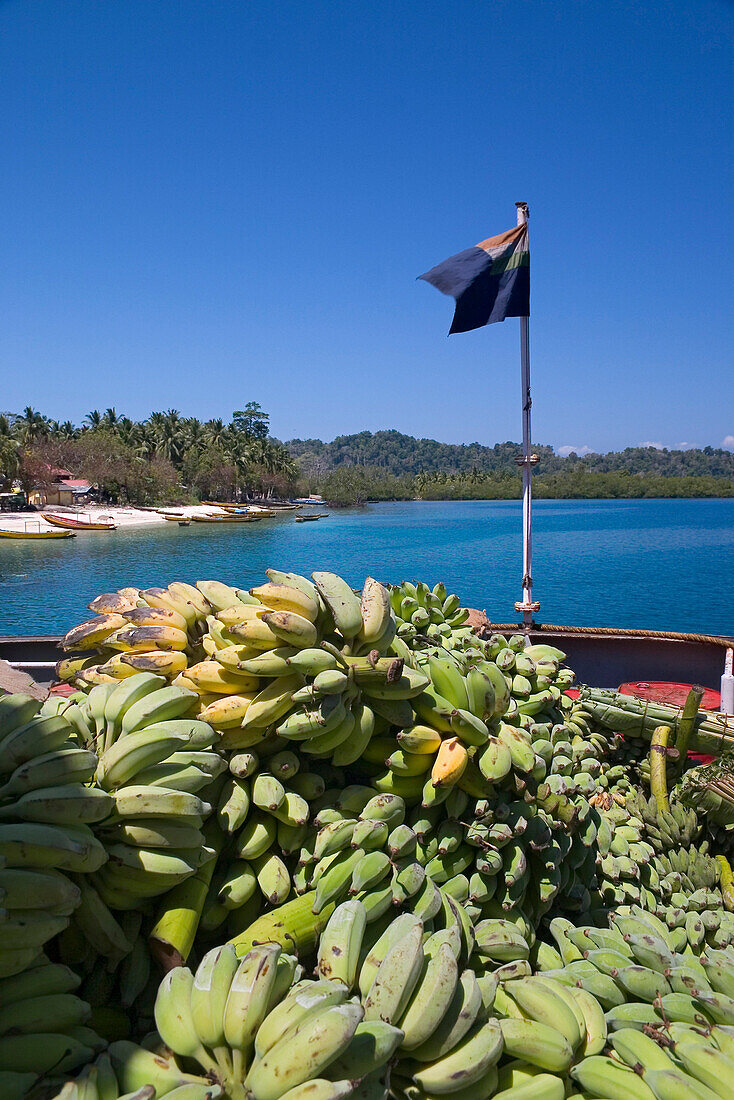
(31, 425)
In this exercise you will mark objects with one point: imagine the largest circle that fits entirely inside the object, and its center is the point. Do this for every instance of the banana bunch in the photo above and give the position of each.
(154, 630)
(706, 789)
(533, 673)
(130, 1072)
(410, 980)
(433, 616)
(262, 814)
(665, 829)
(151, 758)
(347, 850)
(640, 959)
(46, 810)
(465, 1034)
(660, 1063)
(44, 1026)
(491, 856)
(487, 715)
(153, 841)
(528, 860)
(322, 680)
(260, 1031)
(664, 992)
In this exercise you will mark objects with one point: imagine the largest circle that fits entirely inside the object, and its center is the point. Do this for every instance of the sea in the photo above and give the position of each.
(650, 564)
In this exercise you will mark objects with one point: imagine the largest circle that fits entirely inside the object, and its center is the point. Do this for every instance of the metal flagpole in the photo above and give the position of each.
(527, 461)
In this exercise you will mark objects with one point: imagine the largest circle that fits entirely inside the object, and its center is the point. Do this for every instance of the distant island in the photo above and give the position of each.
(169, 458)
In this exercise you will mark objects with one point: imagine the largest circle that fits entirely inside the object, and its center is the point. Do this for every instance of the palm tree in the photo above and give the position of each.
(31, 425)
(215, 432)
(166, 435)
(92, 420)
(110, 419)
(132, 435)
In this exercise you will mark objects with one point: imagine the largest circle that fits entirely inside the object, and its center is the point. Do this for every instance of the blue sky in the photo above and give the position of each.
(206, 202)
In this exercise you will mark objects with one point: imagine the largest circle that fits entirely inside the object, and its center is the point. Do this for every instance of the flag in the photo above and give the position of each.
(489, 282)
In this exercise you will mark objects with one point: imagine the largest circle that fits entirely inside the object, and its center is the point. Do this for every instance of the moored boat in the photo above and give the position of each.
(37, 534)
(73, 523)
(211, 517)
(312, 515)
(247, 509)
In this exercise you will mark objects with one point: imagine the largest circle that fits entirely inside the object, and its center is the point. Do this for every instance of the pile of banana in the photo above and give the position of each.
(397, 1008)
(439, 874)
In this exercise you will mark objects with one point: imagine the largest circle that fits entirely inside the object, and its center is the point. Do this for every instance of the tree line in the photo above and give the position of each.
(359, 484)
(164, 459)
(402, 455)
(170, 458)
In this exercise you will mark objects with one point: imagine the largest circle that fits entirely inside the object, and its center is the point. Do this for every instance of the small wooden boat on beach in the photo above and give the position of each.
(74, 523)
(173, 517)
(271, 508)
(311, 515)
(248, 517)
(37, 534)
(250, 510)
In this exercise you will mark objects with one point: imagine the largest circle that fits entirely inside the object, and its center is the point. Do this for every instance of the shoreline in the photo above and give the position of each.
(148, 517)
(99, 513)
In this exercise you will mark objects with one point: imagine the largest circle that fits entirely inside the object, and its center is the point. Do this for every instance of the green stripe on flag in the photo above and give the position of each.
(508, 263)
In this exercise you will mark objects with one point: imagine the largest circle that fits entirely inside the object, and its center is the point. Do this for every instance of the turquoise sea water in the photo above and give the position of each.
(664, 564)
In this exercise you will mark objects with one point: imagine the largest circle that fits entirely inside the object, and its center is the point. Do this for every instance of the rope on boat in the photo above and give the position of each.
(618, 632)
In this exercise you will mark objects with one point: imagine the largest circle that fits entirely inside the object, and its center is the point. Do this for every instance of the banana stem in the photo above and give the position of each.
(175, 929)
(293, 925)
(687, 723)
(335, 653)
(239, 1065)
(658, 758)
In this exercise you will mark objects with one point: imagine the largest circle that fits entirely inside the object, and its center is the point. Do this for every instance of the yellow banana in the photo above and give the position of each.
(93, 632)
(164, 662)
(450, 763)
(283, 597)
(155, 616)
(227, 711)
(212, 677)
(138, 639)
(294, 629)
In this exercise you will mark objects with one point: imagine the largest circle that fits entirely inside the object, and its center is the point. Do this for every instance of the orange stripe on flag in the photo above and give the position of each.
(503, 239)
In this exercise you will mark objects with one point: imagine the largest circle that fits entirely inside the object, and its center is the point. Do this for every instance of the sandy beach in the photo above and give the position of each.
(123, 517)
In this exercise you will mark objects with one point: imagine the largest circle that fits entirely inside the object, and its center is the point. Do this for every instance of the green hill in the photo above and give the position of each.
(405, 456)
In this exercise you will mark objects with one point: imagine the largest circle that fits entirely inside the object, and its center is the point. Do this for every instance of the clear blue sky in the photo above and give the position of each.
(206, 202)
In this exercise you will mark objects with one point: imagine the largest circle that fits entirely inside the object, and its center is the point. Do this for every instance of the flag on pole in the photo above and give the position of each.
(489, 282)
